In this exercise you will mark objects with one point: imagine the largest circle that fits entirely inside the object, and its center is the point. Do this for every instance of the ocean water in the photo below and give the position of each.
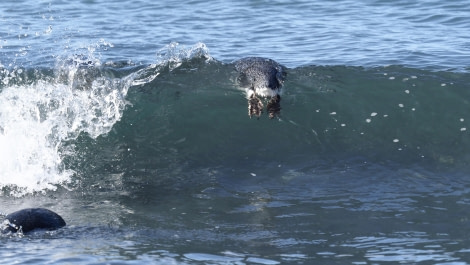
(126, 118)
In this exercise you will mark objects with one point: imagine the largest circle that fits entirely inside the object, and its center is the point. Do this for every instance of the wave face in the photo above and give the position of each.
(84, 120)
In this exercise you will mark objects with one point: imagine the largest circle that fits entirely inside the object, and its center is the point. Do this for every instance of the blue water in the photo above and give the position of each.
(423, 34)
(126, 118)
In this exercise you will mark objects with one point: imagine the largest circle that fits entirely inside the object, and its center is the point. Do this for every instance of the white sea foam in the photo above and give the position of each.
(35, 119)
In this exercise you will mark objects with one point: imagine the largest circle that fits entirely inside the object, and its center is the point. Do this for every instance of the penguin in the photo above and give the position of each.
(27, 220)
(261, 77)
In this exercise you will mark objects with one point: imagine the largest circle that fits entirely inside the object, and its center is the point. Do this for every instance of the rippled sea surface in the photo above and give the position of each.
(431, 34)
(126, 118)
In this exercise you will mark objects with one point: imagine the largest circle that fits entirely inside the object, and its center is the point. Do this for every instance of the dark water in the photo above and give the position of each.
(145, 146)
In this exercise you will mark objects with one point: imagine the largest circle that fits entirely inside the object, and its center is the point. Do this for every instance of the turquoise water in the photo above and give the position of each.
(126, 119)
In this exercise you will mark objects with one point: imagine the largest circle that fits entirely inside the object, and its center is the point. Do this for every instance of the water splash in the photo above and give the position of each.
(169, 58)
(41, 109)
(37, 117)
(174, 54)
